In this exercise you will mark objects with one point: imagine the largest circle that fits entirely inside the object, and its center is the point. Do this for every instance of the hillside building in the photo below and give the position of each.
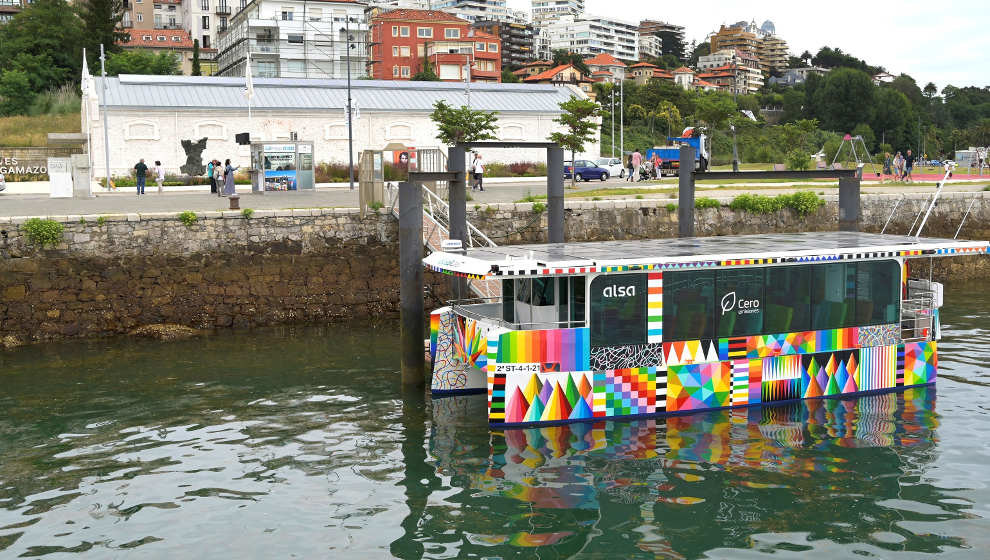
(591, 35)
(517, 40)
(173, 41)
(546, 12)
(10, 8)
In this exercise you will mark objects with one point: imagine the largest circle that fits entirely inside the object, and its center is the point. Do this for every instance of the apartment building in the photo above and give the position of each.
(768, 48)
(295, 39)
(732, 70)
(517, 40)
(655, 28)
(405, 42)
(480, 10)
(546, 12)
(591, 35)
(10, 8)
(174, 41)
(650, 46)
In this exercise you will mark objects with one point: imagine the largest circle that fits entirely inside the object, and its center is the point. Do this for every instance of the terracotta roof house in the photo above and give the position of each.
(565, 74)
(175, 41)
(605, 61)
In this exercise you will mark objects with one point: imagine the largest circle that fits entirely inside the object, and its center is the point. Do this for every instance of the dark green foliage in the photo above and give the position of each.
(43, 232)
(462, 125)
(798, 160)
(508, 77)
(801, 202)
(564, 57)
(16, 94)
(101, 25)
(142, 62)
(705, 202)
(196, 71)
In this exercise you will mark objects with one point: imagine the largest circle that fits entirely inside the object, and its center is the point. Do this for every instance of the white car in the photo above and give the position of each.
(614, 166)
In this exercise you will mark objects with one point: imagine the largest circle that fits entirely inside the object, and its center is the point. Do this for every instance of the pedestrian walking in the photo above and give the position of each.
(141, 173)
(209, 173)
(888, 161)
(479, 172)
(632, 170)
(159, 176)
(898, 166)
(908, 167)
(637, 160)
(228, 178)
(218, 176)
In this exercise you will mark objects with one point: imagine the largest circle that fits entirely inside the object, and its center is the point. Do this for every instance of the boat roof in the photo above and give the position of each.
(692, 252)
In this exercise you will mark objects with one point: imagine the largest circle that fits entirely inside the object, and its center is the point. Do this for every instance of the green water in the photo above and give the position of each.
(299, 443)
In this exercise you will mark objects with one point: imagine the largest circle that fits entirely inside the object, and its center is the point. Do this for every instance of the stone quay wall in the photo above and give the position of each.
(111, 275)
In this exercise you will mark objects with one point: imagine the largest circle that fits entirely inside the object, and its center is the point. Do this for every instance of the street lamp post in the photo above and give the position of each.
(350, 126)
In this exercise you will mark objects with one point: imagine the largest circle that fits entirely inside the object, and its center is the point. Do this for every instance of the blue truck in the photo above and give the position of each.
(670, 154)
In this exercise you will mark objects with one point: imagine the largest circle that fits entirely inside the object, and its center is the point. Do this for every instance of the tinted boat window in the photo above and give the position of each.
(508, 295)
(788, 300)
(618, 310)
(689, 305)
(577, 300)
(833, 295)
(878, 285)
(740, 302)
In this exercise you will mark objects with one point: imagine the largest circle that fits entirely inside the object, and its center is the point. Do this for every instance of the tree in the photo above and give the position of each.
(845, 100)
(508, 77)
(142, 62)
(806, 58)
(702, 49)
(906, 85)
(48, 31)
(671, 44)
(891, 115)
(456, 126)
(668, 112)
(16, 94)
(425, 75)
(195, 59)
(561, 57)
(636, 112)
(930, 90)
(578, 119)
(869, 138)
(101, 25)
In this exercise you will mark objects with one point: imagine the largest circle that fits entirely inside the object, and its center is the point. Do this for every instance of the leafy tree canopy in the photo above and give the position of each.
(462, 125)
(561, 56)
(142, 62)
(47, 31)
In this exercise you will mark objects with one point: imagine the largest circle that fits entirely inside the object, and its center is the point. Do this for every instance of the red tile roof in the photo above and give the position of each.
(149, 38)
(539, 63)
(419, 15)
(548, 74)
(644, 64)
(601, 73)
(661, 73)
(604, 59)
(683, 70)
(704, 84)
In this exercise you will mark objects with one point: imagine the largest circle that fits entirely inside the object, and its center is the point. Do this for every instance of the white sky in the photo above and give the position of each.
(943, 42)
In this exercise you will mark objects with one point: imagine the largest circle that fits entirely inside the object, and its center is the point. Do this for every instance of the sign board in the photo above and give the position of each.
(15, 164)
(279, 148)
(60, 177)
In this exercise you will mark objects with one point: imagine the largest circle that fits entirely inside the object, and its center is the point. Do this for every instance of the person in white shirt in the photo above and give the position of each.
(479, 172)
(159, 176)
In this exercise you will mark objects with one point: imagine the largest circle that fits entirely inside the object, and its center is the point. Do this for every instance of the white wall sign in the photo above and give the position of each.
(60, 177)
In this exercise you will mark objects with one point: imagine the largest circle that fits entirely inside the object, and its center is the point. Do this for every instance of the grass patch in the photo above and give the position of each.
(24, 131)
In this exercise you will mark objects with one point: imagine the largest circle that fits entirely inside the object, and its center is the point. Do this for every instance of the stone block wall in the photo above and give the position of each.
(319, 265)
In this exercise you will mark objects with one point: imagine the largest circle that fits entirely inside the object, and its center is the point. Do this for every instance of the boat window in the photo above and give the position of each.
(562, 301)
(833, 296)
(689, 305)
(878, 285)
(788, 299)
(508, 299)
(543, 291)
(618, 310)
(740, 302)
(577, 301)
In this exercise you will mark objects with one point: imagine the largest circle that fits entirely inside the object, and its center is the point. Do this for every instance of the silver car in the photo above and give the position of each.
(613, 164)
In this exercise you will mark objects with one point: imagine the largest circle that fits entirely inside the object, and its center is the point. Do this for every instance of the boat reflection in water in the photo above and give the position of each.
(688, 483)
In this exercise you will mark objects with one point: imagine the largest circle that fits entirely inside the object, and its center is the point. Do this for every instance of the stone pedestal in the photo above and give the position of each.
(82, 176)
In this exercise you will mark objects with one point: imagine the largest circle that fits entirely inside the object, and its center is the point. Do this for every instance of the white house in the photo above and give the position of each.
(150, 116)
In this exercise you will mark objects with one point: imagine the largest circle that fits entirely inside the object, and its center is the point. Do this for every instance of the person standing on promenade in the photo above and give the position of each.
(218, 176)
(908, 167)
(159, 176)
(209, 173)
(141, 173)
(479, 172)
(228, 178)
(637, 160)
(632, 170)
(887, 163)
(898, 166)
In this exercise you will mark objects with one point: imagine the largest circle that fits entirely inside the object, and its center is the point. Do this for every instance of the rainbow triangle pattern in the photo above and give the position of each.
(920, 362)
(696, 386)
(551, 398)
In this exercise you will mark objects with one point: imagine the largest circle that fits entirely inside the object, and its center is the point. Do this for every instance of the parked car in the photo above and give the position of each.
(614, 166)
(3, 183)
(585, 170)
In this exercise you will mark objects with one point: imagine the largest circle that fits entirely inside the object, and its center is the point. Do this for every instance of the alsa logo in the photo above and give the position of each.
(619, 291)
(730, 302)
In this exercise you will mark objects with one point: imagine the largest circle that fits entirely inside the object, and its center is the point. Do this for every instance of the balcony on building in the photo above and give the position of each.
(222, 10)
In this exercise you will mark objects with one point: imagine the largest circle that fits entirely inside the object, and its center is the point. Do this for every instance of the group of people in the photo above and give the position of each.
(898, 168)
(221, 177)
(641, 169)
(141, 174)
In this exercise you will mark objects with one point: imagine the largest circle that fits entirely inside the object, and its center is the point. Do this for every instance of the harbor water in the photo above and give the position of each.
(299, 443)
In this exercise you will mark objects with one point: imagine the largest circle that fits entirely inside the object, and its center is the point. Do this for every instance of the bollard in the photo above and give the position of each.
(555, 194)
(411, 315)
(235, 202)
(685, 193)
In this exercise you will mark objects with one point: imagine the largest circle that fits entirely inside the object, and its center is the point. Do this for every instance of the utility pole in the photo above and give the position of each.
(350, 103)
(103, 109)
(622, 128)
(611, 100)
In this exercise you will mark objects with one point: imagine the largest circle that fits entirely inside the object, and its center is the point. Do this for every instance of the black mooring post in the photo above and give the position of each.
(457, 197)
(411, 284)
(849, 208)
(555, 194)
(685, 194)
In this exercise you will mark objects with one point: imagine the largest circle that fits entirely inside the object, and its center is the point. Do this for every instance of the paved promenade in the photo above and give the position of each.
(179, 199)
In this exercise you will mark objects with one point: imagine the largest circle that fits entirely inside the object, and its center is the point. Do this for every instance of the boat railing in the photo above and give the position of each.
(489, 310)
(918, 316)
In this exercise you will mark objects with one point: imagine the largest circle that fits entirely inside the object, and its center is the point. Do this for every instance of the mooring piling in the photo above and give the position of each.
(411, 307)
(685, 192)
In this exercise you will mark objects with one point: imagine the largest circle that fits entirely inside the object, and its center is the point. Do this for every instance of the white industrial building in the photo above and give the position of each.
(591, 35)
(295, 39)
(150, 116)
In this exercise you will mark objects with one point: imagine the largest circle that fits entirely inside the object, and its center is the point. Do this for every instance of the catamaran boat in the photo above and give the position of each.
(621, 329)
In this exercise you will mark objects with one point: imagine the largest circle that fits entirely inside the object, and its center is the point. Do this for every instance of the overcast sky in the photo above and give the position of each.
(946, 42)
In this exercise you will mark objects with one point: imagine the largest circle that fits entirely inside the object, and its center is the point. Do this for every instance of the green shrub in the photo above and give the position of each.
(801, 202)
(101, 220)
(596, 198)
(188, 218)
(82, 220)
(798, 160)
(43, 232)
(671, 207)
(539, 207)
(639, 197)
(247, 213)
(705, 202)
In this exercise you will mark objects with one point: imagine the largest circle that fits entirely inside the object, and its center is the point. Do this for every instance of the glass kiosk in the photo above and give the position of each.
(282, 166)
